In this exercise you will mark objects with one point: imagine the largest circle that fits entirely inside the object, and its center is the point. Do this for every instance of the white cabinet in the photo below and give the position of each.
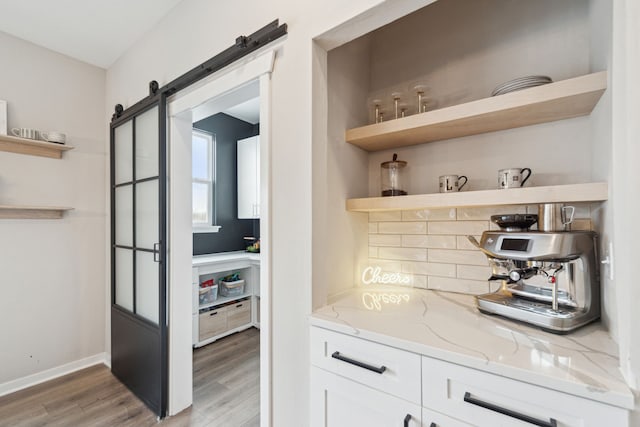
(484, 399)
(371, 384)
(249, 178)
(226, 314)
(378, 366)
(356, 382)
(339, 402)
(436, 419)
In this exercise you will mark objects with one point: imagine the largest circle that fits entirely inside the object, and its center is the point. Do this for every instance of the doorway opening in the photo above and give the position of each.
(226, 235)
(219, 346)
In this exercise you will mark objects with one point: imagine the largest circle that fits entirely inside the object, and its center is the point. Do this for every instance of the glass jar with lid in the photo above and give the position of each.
(392, 177)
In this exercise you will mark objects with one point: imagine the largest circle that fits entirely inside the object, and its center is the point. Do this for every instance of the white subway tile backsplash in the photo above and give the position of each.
(463, 243)
(385, 240)
(451, 256)
(474, 287)
(420, 282)
(427, 241)
(429, 215)
(385, 216)
(408, 254)
(429, 269)
(431, 245)
(473, 272)
(402, 227)
(461, 228)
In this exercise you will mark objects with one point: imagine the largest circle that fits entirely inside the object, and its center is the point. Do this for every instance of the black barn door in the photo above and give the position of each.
(138, 251)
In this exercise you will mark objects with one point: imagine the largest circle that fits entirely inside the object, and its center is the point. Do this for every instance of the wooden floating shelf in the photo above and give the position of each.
(32, 212)
(547, 103)
(32, 147)
(572, 193)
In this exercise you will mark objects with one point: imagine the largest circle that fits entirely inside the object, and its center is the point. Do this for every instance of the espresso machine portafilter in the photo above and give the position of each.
(549, 279)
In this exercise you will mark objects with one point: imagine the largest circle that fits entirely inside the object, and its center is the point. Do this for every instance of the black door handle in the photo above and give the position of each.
(337, 355)
(406, 420)
(508, 412)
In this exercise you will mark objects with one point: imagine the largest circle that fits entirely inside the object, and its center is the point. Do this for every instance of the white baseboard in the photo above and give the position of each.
(49, 374)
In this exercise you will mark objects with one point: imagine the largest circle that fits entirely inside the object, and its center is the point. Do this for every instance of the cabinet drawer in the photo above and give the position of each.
(384, 368)
(238, 314)
(213, 323)
(484, 399)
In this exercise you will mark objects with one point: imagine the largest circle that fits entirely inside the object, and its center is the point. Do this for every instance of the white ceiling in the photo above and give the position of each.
(249, 111)
(242, 103)
(93, 31)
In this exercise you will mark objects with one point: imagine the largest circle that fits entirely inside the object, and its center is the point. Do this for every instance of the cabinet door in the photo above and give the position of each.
(436, 419)
(339, 402)
(249, 178)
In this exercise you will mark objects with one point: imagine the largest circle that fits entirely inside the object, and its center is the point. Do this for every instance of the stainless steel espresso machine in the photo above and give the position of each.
(549, 279)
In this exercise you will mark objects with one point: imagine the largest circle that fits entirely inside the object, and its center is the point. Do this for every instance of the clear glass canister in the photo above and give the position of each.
(392, 177)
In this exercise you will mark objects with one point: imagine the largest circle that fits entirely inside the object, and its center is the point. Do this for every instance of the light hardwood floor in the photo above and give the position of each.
(226, 392)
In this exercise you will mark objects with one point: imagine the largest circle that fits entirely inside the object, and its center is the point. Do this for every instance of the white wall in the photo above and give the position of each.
(625, 181)
(52, 275)
(340, 172)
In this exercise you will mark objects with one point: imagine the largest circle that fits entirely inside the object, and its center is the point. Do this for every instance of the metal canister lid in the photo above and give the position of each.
(393, 164)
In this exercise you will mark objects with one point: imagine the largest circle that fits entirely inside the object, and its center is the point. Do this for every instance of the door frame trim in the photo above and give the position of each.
(256, 67)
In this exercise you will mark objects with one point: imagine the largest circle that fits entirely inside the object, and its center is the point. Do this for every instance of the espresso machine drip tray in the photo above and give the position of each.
(503, 303)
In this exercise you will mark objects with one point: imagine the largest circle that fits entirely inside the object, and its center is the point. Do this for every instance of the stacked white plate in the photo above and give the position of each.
(520, 83)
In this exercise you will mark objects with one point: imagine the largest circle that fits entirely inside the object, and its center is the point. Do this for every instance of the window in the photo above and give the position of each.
(203, 182)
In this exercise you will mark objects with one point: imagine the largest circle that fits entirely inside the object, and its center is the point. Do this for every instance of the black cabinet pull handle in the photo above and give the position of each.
(406, 420)
(213, 313)
(239, 305)
(508, 412)
(337, 355)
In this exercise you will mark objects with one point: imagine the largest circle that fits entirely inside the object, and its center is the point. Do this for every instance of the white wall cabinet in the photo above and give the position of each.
(349, 393)
(249, 178)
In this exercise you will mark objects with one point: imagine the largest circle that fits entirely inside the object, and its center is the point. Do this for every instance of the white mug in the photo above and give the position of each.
(25, 133)
(54, 136)
(451, 183)
(513, 177)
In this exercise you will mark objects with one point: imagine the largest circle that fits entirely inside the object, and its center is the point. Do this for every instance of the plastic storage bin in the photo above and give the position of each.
(232, 289)
(208, 295)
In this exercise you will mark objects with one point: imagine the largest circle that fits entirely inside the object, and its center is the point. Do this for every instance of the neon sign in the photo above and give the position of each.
(374, 275)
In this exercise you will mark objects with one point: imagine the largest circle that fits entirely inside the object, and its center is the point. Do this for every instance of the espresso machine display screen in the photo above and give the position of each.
(515, 245)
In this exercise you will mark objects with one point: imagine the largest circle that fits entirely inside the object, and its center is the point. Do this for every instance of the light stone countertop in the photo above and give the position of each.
(199, 260)
(448, 326)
